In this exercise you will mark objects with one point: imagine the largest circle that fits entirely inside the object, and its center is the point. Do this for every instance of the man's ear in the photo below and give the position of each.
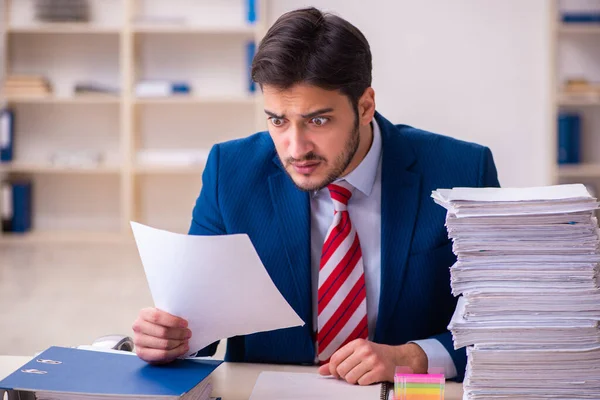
(366, 107)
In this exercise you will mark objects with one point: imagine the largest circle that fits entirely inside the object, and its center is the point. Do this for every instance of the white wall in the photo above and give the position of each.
(475, 70)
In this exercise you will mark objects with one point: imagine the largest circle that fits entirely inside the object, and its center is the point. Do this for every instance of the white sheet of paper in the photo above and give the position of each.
(555, 192)
(217, 283)
(305, 386)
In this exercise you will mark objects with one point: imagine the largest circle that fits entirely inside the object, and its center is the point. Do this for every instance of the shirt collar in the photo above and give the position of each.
(363, 176)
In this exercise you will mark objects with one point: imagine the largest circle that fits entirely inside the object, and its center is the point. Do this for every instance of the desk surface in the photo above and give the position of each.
(231, 381)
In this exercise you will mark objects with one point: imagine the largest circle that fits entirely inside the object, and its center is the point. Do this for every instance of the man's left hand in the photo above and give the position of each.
(364, 362)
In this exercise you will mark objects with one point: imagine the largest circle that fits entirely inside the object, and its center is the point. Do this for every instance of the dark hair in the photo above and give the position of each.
(308, 46)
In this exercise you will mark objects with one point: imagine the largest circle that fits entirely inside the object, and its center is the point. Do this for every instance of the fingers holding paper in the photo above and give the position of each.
(160, 337)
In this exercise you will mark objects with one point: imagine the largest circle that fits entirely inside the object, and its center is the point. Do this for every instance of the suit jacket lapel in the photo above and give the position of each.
(400, 196)
(292, 208)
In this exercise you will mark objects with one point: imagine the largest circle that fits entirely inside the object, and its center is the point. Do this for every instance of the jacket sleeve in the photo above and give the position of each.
(206, 216)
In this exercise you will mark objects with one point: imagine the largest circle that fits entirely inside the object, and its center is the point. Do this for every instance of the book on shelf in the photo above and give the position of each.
(16, 205)
(162, 88)
(250, 51)
(569, 138)
(251, 11)
(172, 157)
(7, 134)
(26, 85)
(581, 17)
(94, 88)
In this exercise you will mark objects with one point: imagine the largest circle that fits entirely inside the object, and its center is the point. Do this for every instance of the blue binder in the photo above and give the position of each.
(569, 138)
(250, 51)
(22, 206)
(581, 17)
(251, 11)
(6, 206)
(75, 371)
(7, 126)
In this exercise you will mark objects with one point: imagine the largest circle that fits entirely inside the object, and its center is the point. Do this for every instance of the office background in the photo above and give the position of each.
(490, 72)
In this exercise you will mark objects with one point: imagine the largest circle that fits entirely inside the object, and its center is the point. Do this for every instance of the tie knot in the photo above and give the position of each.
(341, 192)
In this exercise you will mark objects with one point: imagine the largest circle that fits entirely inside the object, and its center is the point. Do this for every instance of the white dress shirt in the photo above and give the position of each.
(365, 212)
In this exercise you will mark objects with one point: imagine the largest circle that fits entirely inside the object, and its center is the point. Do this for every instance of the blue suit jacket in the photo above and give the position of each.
(246, 190)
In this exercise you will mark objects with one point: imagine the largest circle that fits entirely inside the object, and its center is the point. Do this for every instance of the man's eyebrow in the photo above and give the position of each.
(309, 115)
(317, 112)
(273, 115)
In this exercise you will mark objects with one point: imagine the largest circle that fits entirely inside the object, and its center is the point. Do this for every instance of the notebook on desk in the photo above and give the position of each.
(306, 386)
(67, 373)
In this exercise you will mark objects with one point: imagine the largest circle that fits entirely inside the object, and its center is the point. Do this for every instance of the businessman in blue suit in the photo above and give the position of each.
(336, 200)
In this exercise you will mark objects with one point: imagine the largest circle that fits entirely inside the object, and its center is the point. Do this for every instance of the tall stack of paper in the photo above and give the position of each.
(528, 271)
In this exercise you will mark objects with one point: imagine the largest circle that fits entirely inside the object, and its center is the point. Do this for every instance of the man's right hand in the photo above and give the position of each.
(160, 337)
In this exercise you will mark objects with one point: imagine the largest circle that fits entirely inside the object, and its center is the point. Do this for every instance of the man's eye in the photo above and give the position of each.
(319, 121)
(276, 121)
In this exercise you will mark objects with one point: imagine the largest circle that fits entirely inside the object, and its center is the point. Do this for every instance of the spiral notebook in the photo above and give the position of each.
(307, 386)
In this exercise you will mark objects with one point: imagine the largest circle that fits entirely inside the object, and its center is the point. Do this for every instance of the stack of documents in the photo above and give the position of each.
(26, 85)
(528, 272)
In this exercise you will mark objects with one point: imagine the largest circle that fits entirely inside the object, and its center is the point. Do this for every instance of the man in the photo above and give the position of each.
(336, 200)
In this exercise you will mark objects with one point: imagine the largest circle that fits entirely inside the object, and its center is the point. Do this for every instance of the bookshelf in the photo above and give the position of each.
(63, 28)
(198, 41)
(575, 52)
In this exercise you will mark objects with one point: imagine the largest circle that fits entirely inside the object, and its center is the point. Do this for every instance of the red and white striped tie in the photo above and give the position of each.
(342, 302)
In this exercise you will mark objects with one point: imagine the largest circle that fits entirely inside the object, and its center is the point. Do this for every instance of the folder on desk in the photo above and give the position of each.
(7, 125)
(69, 373)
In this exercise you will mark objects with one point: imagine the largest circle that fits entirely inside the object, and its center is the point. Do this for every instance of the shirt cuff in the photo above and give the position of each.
(437, 356)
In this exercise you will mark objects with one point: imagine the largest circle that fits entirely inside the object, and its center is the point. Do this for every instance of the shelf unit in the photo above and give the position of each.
(576, 53)
(64, 28)
(208, 51)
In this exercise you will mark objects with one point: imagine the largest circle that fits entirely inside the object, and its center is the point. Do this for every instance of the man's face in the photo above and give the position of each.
(315, 131)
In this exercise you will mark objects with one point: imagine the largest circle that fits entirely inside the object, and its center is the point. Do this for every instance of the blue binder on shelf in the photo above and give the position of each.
(22, 206)
(569, 138)
(82, 373)
(6, 205)
(250, 51)
(7, 137)
(16, 206)
(251, 10)
(592, 17)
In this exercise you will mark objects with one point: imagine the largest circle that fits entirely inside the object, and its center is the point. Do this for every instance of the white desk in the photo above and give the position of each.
(231, 381)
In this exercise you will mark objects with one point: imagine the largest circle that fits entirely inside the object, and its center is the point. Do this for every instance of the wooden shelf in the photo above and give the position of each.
(244, 30)
(130, 46)
(584, 99)
(65, 28)
(81, 99)
(41, 168)
(169, 170)
(579, 29)
(234, 100)
(63, 237)
(579, 171)
(579, 102)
